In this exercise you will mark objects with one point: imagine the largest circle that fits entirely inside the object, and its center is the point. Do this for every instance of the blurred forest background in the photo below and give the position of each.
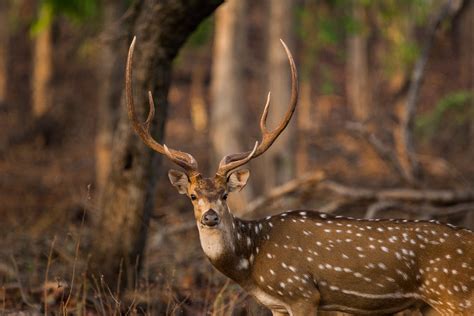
(89, 223)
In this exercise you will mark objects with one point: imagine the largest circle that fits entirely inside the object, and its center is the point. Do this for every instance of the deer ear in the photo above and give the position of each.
(237, 180)
(179, 180)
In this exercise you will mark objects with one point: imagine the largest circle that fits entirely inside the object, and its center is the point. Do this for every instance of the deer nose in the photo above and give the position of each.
(210, 218)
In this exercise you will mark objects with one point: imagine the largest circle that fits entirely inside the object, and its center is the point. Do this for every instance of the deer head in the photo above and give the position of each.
(209, 195)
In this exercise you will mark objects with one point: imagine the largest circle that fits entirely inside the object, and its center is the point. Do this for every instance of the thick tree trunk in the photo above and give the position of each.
(4, 39)
(280, 159)
(358, 86)
(42, 72)
(110, 74)
(161, 28)
(227, 111)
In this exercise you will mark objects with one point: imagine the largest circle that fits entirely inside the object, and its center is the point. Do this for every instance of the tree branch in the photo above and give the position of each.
(292, 186)
(412, 168)
(425, 211)
(399, 194)
(383, 151)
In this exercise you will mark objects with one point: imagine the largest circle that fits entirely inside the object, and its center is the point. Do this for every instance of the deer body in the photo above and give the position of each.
(298, 262)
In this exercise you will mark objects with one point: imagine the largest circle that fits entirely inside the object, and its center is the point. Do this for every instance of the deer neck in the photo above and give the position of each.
(231, 247)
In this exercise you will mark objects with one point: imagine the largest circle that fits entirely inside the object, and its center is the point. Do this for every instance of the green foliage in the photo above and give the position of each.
(44, 19)
(397, 20)
(202, 34)
(326, 23)
(76, 10)
(454, 109)
(321, 24)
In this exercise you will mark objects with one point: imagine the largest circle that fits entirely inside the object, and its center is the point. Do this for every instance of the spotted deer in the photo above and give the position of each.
(302, 261)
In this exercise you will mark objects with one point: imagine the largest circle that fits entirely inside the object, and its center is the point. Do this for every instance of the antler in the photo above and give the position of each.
(233, 161)
(182, 159)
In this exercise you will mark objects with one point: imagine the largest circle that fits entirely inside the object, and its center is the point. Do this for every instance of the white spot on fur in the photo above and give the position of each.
(243, 264)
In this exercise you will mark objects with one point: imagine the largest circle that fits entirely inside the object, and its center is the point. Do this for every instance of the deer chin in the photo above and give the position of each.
(215, 240)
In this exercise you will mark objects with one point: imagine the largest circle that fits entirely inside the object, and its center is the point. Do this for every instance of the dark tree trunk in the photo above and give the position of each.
(4, 39)
(127, 199)
(110, 74)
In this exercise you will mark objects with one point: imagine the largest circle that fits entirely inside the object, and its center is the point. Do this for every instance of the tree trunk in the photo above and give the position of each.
(227, 111)
(304, 128)
(4, 39)
(110, 74)
(465, 41)
(42, 68)
(197, 100)
(358, 86)
(280, 159)
(161, 28)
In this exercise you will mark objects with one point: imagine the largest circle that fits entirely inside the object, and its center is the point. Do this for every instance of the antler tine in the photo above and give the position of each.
(184, 160)
(269, 137)
(263, 119)
(226, 166)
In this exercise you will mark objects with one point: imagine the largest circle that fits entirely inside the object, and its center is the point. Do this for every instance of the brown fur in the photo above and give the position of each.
(300, 261)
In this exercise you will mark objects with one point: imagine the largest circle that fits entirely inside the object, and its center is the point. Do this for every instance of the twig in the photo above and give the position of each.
(119, 280)
(46, 275)
(115, 299)
(76, 253)
(3, 299)
(23, 295)
(99, 294)
(385, 153)
(216, 311)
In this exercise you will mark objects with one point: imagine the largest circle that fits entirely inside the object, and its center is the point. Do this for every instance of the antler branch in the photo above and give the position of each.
(234, 161)
(182, 159)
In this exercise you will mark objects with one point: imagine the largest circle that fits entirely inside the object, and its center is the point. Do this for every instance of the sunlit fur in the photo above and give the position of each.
(300, 261)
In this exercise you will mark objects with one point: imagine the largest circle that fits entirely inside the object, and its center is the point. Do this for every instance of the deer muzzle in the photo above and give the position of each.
(210, 218)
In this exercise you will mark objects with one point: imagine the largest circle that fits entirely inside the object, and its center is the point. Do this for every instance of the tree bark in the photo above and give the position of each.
(42, 72)
(357, 83)
(4, 39)
(304, 124)
(198, 109)
(110, 75)
(227, 111)
(280, 159)
(161, 28)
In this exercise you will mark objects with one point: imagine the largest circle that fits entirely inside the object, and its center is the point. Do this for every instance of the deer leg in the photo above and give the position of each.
(307, 307)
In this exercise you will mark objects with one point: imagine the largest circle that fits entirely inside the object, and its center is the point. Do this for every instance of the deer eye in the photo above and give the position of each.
(224, 196)
(193, 197)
